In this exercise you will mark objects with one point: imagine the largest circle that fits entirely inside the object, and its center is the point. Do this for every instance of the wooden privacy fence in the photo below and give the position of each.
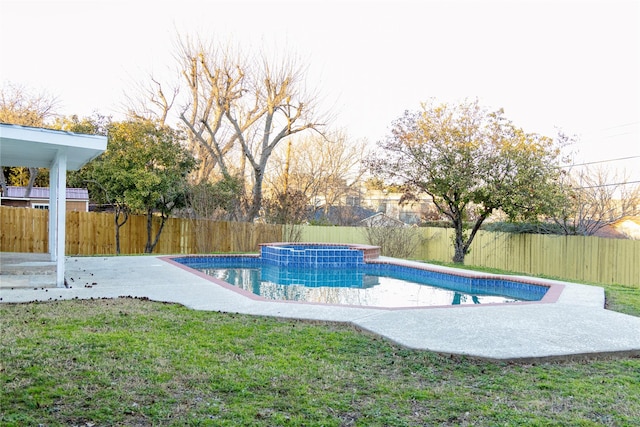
(23, 230)
(581, 258)
(586, 259)
(93, 233)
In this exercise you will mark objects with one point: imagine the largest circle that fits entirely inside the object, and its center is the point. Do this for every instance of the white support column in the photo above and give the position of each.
(53, 209)
(61, 217)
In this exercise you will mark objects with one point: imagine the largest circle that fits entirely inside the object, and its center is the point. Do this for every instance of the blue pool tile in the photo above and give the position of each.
(343, 267)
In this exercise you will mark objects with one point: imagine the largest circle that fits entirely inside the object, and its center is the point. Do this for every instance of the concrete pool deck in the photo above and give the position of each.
(576, 326)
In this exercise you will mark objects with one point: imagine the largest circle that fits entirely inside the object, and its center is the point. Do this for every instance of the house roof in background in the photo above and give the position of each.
(343, 215)
(43, 193)
(381, 219)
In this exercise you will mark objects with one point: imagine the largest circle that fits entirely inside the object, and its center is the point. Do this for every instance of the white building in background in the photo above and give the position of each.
(409, 211)
(77, 199)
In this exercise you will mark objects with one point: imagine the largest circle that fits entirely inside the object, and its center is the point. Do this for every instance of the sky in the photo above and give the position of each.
(563, 64)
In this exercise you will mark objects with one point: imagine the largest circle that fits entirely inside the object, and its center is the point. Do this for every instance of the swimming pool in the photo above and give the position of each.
(372, 283)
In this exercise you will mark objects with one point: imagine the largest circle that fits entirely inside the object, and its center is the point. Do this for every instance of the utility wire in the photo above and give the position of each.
(592, 132)
(600, 161)
(618, 126)
(609, 185)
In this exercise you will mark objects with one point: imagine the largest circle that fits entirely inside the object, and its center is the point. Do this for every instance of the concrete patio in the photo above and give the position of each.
(576, 326)
(26, 270)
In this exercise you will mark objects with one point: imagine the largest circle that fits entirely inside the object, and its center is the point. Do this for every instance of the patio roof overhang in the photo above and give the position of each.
(59, 151)
(38, 147)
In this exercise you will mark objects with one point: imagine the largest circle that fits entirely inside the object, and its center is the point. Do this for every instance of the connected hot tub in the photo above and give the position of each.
(317, 255)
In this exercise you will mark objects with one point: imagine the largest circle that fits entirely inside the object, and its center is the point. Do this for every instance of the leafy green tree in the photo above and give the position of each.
(94, 125)
(97, 124)
(144, 170)
(471, 162)
(151, 167)
(102, 189)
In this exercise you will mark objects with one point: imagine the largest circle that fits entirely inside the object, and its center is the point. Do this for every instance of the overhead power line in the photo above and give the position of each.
(609, 185)
(600, 161)
(592, 132)
(620, 126)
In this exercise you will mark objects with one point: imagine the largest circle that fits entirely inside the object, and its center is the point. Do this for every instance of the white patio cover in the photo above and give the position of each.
(59, 151)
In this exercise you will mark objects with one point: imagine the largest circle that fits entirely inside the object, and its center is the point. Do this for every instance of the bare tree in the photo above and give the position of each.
(238, 109)
(596, 198)
(394, 241)
(149, 101)
(289, 207)
(235, 107)
(19, 106)
(326, 168)
(209, 201)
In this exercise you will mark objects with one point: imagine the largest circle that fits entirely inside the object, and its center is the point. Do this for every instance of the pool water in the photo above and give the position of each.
(370, 285)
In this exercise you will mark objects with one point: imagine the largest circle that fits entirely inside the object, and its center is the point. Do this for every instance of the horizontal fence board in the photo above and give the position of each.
(580, 258)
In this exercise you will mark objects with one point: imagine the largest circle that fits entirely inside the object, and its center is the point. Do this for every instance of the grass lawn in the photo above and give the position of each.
(134, 362)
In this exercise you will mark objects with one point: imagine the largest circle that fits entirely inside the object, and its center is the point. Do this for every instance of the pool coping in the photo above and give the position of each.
(554, 290)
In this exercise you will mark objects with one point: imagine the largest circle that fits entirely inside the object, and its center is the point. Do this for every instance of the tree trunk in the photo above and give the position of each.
(33, 174)
(461, 245)
(147, 247)
(119, 212)
(151, 245)
(460, 249)
(256, 196)
(3, 182)
(459, 253)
